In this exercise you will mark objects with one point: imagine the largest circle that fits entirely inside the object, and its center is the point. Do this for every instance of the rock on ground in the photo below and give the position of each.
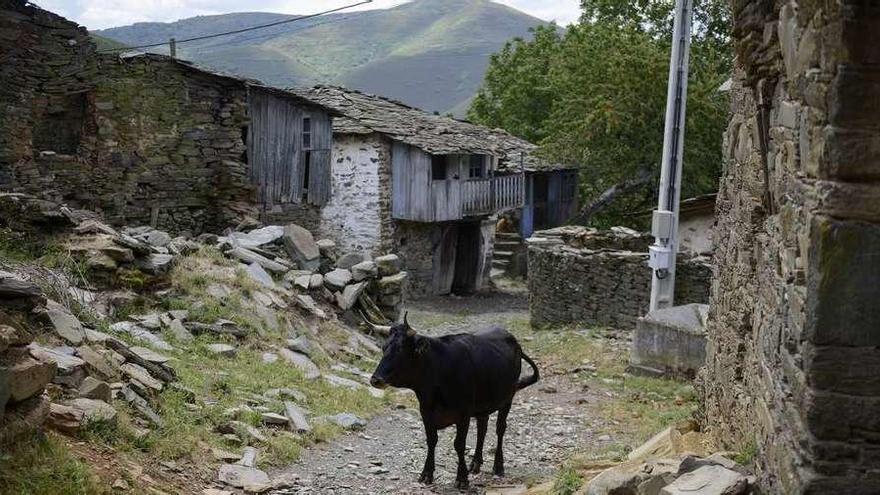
(302, 362)
(92, 388)
(73, 415)
(65, 324)
(301, 247)
(244, 477)
(224, 350)
(708, 480)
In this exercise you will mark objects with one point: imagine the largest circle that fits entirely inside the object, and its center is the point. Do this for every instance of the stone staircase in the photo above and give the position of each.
(508, 247)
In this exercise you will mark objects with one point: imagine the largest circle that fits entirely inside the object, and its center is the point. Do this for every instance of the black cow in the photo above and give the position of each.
(456, 378)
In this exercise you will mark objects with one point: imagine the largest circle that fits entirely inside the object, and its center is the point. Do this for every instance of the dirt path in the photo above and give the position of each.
(547, 422)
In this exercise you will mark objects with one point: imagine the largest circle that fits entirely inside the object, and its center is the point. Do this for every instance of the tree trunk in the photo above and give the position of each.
(609, 195)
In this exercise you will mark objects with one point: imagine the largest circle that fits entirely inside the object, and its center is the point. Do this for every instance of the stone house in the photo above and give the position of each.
(793, 351)
(696, 217)
(154, 140)
(425, 186)
(150, 139)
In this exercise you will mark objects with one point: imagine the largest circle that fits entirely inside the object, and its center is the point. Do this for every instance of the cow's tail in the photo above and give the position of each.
(529, 380)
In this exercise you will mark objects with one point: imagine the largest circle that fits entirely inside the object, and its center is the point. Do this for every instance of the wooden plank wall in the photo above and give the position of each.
(411, 183)
(275, 154)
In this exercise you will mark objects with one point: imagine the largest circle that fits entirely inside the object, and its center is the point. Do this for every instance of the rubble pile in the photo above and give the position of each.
(92, 355)
(313, 268)
(23, 379)
(676, 461)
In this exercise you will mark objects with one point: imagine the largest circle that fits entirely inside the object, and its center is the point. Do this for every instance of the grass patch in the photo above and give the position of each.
(634, 407)
(567, 481)
(746, 455)
(232, 382)
(22, 247)
(44, 465)
(222, 384)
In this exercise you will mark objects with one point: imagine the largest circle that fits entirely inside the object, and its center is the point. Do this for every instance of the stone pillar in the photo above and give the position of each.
(793, 356)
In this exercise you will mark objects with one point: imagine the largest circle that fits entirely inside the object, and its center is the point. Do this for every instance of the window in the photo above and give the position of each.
(438, 167)
(59, 128)
(476, 169)
(307, 172)
(307, 133)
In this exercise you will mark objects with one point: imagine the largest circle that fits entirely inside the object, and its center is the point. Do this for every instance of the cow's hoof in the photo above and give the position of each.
(461, 484)
(498, 472)
(475, 467)
(426, 478)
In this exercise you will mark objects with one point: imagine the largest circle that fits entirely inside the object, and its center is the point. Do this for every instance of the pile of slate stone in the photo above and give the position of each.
(675, 461)
(351, 281)
(23, 405)
(81, 371)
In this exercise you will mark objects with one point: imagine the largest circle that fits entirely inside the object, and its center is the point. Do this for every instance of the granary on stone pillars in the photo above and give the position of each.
(425, 186)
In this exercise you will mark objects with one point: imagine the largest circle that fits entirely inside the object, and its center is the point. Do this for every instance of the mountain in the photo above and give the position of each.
(431, 54)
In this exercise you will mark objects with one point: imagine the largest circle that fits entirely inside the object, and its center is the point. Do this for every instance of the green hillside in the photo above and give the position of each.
(429, 53)
(103, 43)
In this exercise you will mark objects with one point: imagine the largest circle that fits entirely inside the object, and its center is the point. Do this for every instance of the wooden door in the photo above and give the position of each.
(467, 260)
(445, 254)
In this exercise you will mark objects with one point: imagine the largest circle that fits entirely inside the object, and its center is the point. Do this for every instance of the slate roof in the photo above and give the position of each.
(365, 113)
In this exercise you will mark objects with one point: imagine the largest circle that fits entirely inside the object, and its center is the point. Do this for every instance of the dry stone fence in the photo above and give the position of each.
(582, 275)
(793, 354)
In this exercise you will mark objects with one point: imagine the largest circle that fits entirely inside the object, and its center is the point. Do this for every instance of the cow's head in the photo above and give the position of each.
(400, 359)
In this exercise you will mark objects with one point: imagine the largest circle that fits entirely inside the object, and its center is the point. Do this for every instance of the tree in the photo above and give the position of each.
(516, 92)
(595, 97)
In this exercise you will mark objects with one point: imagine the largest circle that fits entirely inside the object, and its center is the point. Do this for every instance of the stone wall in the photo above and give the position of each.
(415, 244)
(142, 140)
(793, 355)
(601, 278)
(361, 180)
(47, 66)
(159, 145)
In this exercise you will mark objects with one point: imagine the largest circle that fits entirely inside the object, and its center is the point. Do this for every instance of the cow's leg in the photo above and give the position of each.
(500, 428)
(477, 461)
(427, 476)
(461, 431)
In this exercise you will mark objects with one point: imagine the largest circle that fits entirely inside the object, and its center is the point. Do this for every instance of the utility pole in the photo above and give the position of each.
(172, 47)
(664, 225)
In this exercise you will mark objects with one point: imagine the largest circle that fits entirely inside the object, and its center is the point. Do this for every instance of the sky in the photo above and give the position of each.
(101, 14)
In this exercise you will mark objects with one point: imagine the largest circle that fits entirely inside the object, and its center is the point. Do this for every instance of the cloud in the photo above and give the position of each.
(101, 14)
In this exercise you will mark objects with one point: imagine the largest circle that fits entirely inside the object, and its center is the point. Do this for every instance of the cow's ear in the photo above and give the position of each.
(410, 331)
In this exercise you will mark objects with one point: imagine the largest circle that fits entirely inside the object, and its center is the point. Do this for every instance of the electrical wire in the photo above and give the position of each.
(237, 31)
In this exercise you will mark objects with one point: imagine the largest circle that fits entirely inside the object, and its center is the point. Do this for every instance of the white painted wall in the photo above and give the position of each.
(695, 233)
(352, 217)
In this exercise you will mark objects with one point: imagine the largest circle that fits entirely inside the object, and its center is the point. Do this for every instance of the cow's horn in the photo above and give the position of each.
(382, 329)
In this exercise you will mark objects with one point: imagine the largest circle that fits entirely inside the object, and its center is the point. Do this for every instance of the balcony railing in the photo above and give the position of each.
(492, 195)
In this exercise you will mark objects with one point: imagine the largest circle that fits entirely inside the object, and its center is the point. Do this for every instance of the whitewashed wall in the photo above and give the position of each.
(353, 215)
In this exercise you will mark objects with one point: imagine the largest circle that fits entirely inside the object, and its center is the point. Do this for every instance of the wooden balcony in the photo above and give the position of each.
(492, 195)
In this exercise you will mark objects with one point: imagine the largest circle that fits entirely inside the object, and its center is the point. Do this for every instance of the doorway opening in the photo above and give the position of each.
(457, 258)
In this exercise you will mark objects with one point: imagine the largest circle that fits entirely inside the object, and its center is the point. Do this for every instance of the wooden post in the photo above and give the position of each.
(172, 44)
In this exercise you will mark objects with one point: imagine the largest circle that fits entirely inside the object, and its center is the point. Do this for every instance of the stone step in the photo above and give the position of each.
(508, 245)
(508, 236)
(496, 273)
(500, 263)
(502, 254)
